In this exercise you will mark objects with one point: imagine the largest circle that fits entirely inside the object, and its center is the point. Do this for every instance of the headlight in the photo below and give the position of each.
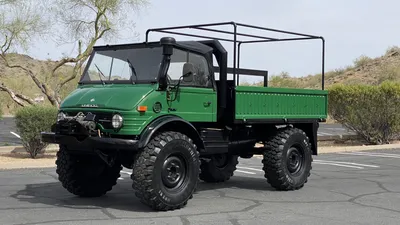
(117, 121)
(60, 116)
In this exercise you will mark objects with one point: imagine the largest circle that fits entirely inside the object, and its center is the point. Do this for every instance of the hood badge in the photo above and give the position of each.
(90, 105)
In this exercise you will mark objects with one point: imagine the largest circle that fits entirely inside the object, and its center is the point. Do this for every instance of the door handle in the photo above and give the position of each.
(206, 104)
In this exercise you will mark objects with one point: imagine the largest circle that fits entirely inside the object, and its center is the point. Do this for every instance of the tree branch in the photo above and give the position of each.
(63, 62)
(40, 85)
(20, 99)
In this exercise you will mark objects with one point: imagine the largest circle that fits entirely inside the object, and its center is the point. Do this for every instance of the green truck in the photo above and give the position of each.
(158, 109)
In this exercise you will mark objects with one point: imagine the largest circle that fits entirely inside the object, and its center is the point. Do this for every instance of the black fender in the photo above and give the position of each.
(172, 123)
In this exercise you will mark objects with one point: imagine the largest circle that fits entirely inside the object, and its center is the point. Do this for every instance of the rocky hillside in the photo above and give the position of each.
(365, 70)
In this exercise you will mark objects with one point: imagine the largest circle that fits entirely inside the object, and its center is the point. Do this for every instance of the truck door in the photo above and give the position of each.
(196, 100)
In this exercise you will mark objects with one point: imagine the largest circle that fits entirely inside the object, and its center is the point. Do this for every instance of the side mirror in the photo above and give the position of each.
(188, 72)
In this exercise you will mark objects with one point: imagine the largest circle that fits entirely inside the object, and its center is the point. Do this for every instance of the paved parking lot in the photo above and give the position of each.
(344, 188)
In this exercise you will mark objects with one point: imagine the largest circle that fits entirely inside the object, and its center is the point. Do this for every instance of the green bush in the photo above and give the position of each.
(32, 120)
(373, 112)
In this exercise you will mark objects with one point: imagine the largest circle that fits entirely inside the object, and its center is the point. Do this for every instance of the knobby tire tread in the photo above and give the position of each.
(273, 160)
(142, 173)
(72, 179)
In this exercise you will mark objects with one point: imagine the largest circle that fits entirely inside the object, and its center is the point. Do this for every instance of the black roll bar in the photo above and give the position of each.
(237, 43)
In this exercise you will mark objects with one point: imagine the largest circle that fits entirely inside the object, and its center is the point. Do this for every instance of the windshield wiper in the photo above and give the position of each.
(101, 74)
(133, 71)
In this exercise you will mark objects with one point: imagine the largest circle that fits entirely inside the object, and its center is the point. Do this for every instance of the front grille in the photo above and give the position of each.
(105, 119)
(71, 128)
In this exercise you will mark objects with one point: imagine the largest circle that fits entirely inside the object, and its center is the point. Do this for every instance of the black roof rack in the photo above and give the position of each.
(237, 42)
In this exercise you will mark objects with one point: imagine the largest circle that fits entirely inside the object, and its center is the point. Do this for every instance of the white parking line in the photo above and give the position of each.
(248, 168)
(126, 172)
(241, 171)
(347, 163)
(383, 155)
(324, 133)
(331, 128)
(336, 164)
(380, 153)
(15, 134)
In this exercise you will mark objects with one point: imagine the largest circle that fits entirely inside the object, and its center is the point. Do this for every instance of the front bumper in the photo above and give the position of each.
(90, 143)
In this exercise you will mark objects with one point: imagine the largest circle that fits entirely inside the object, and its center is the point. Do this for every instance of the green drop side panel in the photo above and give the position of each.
(280, 103)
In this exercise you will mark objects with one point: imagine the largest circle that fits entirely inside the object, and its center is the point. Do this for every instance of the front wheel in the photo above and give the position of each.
(287, 160)
(165, 173)
(85, 175)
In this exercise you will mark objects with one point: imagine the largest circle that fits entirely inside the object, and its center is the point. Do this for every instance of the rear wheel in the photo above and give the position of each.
(287, 160)
(165, 173)
(218, 168)
(85, 175)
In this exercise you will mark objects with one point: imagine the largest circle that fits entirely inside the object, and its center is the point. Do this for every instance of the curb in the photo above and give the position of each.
(334, 149)
(21, 149)
(339, 137)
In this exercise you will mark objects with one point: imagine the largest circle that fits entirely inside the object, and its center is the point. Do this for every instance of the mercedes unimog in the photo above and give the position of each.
(158, 109)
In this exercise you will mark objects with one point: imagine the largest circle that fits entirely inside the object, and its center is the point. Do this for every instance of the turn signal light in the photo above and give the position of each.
(142, 108)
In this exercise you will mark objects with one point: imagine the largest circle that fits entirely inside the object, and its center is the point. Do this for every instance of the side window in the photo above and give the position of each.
(201, 78)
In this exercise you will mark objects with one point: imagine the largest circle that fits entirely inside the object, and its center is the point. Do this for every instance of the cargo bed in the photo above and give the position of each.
(260, 103)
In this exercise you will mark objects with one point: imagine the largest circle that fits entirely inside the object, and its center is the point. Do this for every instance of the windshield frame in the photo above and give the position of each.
(114, 48)
(183, 46)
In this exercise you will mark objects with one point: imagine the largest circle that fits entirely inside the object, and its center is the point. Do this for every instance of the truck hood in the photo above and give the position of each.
(118, 97)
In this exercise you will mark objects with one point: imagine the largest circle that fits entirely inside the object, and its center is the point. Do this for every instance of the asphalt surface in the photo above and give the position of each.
(7, 128)
(344, 188)
(7, 125)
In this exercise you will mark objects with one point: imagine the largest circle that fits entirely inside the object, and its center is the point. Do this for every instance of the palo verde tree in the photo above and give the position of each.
(81, 22)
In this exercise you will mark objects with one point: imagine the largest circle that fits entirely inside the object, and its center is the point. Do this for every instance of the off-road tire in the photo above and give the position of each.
(150, 173)
(275, 160)
(71, 169)
(212, 172)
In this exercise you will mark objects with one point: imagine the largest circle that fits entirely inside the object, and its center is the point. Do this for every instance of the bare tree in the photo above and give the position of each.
(81, 21)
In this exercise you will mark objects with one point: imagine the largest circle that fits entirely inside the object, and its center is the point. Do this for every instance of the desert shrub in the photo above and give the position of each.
(361, 61)
(32, 120)
(373, 112)
(392, 50)
(388, 72)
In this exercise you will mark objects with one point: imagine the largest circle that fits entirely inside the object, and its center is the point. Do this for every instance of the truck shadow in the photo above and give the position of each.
(122, 197)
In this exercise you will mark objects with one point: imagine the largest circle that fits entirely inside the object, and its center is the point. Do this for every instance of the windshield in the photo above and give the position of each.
(126, 65)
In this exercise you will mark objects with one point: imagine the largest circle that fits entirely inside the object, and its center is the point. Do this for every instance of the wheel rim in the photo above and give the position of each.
(220, 160)
(295, 159)
(174, 172)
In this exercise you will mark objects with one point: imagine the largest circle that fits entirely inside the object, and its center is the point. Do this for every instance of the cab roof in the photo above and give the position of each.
(195, 46)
